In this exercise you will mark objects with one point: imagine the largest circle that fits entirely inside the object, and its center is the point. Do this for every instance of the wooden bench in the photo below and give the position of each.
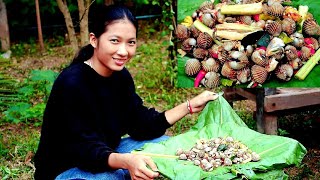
(271, 101)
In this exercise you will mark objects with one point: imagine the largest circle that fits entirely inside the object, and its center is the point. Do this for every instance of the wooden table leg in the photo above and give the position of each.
(270, 121)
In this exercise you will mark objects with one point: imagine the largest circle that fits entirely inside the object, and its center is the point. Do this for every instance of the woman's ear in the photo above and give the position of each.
(93, 40)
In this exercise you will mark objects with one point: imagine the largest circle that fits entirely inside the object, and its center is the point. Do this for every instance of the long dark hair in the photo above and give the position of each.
(99, 18)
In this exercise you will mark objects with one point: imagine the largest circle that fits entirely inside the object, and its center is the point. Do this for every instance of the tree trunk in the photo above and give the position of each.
(39, 26)
(108, 2)
(4, 28)
(62, 4)
(83, 6)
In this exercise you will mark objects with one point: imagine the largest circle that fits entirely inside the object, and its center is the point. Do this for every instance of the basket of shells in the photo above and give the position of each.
(248, 42)
(213, 153)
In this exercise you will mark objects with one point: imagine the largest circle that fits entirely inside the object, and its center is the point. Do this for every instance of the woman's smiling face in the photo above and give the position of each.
(114, 48)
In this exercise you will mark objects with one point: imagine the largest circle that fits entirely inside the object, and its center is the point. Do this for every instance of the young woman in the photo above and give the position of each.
(93, 103)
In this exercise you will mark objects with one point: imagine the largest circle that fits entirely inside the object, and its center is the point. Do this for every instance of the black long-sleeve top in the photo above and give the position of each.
(85, 117)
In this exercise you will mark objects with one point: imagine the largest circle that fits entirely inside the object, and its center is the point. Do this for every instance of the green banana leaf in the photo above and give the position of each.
(186, 8)
(218, 119)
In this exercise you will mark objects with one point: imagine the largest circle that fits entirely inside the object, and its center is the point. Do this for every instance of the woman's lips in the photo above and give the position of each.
(120, 62)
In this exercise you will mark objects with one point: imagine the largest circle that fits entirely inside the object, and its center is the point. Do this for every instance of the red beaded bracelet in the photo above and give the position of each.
(189, 107)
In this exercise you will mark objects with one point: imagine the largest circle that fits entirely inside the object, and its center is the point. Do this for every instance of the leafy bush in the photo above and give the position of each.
(33, 95)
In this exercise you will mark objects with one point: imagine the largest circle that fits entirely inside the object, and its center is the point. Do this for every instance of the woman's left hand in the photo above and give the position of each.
(198, 103)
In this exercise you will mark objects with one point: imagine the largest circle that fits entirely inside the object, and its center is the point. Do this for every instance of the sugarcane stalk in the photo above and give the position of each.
(231, 31)
(203, 28)
(237, 27)
(155, 155)
(242, 9)
(308, 66)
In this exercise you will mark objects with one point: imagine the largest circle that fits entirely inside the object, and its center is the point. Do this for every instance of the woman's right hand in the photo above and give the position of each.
(136, 165)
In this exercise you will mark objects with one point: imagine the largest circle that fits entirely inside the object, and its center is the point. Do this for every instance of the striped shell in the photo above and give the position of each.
(259, 74)
(228, 72)
(274, 28)
(208, 19)
(239, 60)
(210, 65)
(212, 80)
(200, 53)
(245, 19)
(229, 45)
(243, 75)
(259, 57)
(288, 25)
(311, 27)
(206, 5)
(188, 44)
(182, 32)
(305, 53)
(284, 72)
(223, 56)
(194, 31)
(276, 9)
(214, 50)
(204, 40)
(291, 52)
(315, 43)
(192, 67)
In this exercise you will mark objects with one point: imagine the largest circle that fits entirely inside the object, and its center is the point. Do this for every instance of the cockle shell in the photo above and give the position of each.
(194, 31)
(311, 27)
(182, 32)
(200, 53)
(188, 44)
(259, 74)
(229, 45)
(238, 60)
(259, 57)
(192, 66)
(305, 53)
(288, 25)
(206, 5)
(228, 72)
(275, 45)
(313, 42)
(270, 2)
(274, 28)
(208, 19)
(296, 63)
(284, 72)
(210, 65)
(275, 9)
(223, 56)
(243, 75)
(215, 50)
(245, 19)
(204, 40)
(298, 39)
(220, 17)
(291, 52)
(211, 80)
(230, 19)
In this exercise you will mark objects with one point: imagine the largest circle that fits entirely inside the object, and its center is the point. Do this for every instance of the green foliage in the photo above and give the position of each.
(36, 88)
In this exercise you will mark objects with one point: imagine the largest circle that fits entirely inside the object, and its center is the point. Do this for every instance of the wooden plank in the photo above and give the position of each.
(246, 94)
(260, 110)
(270, 121)
(292, 100)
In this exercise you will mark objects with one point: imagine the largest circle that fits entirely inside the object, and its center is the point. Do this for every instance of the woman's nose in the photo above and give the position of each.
(122, 50)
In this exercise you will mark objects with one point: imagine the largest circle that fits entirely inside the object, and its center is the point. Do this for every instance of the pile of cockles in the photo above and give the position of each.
(214, 38)
(212, 153)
